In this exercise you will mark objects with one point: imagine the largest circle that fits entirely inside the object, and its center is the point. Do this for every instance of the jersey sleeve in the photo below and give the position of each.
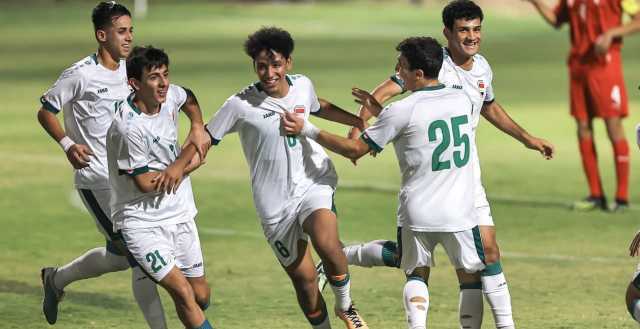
(630, 7)
(225, 121)
(67, 88)
(180, 95)
(489, 96)
(390, 124)
(314, 103)
(132, 152)
(561, 11)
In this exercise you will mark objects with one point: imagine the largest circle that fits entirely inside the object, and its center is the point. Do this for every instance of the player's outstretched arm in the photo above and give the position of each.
(495, 114)
(331, 112)
(382, 93)
(77, 154)
(350, 148)
(197, 136)
(546, 12)
(603, 42)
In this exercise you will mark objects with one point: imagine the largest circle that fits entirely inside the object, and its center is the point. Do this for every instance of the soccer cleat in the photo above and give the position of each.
(52, 295)
(352, 318)
(591, 203)
(322, 276)
(620, 206)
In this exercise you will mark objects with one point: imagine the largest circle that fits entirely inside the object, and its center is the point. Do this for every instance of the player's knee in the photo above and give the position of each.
(203, 297)
(491, 254)
(182, 294)
(305, 283)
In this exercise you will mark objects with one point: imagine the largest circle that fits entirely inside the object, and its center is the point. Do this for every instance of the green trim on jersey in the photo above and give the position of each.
(431, 88)
(288, 80)
(94, 58)
(134, 172)
(133, 106)
(375, 147)
(48, 106)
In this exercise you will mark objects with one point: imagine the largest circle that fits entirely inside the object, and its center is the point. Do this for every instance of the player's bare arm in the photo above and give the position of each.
(331, 112)
(169, 179)
(603, 42)
(77, 154)
(197, 136)
(349, 148)
(382, 93)
(546, 12)
(494, 113)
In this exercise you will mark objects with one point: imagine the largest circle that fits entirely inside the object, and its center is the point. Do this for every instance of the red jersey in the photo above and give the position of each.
(588, 19)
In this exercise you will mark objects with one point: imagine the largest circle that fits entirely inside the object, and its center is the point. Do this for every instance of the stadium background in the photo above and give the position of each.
(565, 269)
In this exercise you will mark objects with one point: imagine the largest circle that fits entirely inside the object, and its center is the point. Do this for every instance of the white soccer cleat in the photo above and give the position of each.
(352, 318)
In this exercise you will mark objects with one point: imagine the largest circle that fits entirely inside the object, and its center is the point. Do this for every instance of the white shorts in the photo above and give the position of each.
(484, 216)
(98, 204)
(464, 249)
(283, 236)
(158, 249)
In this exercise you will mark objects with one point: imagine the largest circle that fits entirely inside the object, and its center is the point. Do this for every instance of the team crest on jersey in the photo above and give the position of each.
(299, 110)
(481, 87)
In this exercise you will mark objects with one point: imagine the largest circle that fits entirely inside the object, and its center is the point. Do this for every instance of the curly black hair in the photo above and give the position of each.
(458, 9)
(422, 53)
(271, 39)
(145, 57)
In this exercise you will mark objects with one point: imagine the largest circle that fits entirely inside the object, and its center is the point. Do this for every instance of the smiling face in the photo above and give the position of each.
(465, 36)
(117, 37)
(271, 68)
(153, 87)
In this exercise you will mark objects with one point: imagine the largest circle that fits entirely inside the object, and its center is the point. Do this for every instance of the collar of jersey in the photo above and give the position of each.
(257, 83)
(133, 106)
(431, 88)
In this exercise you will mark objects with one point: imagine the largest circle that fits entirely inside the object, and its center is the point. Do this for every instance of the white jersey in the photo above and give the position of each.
(138, 143)
(282, 167)
(477, 85)
(431, 132)
(87, 93)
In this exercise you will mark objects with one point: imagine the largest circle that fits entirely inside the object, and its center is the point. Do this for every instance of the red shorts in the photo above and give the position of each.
(597, 89)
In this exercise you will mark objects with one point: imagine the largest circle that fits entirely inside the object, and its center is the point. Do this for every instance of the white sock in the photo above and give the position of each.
(93, 263)
(342, 291)
(471, 308)
(372, 253)
(416, 303)
(496, 291)
(145, 292)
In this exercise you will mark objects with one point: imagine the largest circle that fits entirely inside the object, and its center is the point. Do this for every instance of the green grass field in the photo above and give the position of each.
(565, 269)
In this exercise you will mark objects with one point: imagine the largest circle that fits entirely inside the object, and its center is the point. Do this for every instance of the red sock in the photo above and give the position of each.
(590, 165)
(621, 157)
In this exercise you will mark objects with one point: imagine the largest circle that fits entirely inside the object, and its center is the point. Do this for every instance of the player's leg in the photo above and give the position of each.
(416, 259)
(322, 227)
(620, 147)
(470, 304)
(303, 277)
(145, 292)
(494, 283)
(155, 250)
(582, 109)
(372, 253)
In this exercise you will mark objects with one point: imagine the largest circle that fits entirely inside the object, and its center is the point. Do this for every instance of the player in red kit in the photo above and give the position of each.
(596, 83)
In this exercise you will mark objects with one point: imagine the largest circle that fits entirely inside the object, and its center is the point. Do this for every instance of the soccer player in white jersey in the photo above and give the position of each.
(464, 68)
(431, 131)
(292, 179)
(87, 93)
(152, 202)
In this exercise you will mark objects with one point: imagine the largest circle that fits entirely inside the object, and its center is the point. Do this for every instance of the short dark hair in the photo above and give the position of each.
(146, 57)
(458, 9)
(270, 39)
(106, 12)
(422, 53)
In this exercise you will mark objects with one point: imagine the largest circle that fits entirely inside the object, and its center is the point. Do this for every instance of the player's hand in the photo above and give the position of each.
(635, 245)
(78, 156)
(194, 164)
(602, 44)
(291, 123)
(169, 179)
(367, 100)
(199, 138)
(544, 147)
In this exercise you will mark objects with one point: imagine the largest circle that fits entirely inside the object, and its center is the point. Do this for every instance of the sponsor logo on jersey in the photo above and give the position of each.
(156, 139)
(456, 86)
(102, 90)
(268, 114)
(299, 110)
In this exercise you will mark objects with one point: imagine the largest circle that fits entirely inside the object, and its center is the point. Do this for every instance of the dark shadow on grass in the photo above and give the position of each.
(75, 297)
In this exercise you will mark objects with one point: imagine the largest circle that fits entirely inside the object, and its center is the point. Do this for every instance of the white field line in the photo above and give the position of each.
(76, 202)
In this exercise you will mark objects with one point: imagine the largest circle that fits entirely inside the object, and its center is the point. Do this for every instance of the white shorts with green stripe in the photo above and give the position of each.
(158, 249)
(464, 249)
